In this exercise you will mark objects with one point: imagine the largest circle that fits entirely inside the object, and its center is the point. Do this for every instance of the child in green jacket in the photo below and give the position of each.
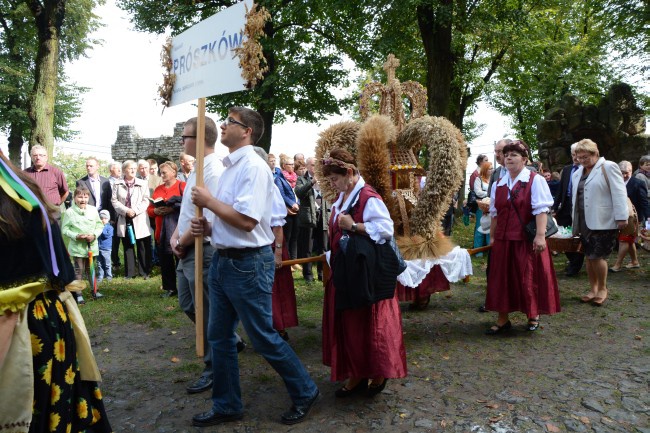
(81, 226)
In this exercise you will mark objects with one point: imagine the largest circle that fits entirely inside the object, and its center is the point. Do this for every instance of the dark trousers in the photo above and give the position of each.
(305, 244)
(115, 252)
(290, 230)
(575, 262)
(320, 245)
(143, 247)
(168, 263)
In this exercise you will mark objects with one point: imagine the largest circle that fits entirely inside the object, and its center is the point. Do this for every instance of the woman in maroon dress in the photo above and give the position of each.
(363, 346)
(521, 276)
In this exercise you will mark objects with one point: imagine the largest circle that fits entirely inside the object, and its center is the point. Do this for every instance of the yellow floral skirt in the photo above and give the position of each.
(62, 401)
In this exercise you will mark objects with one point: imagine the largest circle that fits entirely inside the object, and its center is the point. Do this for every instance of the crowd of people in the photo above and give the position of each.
(256, 215)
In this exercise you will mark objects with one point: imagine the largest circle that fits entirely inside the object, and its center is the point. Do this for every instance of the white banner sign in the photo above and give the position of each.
(204, 63)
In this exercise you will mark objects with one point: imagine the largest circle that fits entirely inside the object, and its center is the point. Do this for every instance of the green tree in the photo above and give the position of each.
(18, 51)
(62, 30)
(578, 48)
(74, 167)
(304, 46)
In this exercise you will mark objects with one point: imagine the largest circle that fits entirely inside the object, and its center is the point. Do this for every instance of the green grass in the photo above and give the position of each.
(133, 301)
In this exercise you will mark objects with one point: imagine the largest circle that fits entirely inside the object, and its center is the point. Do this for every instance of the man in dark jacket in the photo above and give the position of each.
(310, 220)
(95, 183)
(563, 212)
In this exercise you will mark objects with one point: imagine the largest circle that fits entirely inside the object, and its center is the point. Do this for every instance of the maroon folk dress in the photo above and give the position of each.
(519, 279)
(283, 298)
(363, 342)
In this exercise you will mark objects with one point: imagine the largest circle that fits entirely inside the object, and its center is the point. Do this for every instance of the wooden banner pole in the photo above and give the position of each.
(198, 242)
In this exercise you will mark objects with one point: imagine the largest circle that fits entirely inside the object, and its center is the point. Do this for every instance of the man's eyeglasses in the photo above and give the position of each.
(185, 137)
(230, 120)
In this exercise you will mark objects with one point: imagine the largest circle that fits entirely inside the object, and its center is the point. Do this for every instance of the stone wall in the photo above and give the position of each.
(616, 125)
(129, 145)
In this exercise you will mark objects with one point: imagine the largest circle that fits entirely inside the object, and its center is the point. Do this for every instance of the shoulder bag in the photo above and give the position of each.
(632, 226)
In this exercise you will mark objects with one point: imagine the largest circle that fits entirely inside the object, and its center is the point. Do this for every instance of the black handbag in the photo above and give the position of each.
(365, 272)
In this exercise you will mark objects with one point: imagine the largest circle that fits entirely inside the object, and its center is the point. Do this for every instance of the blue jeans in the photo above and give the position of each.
(241, 290)
(104, 265)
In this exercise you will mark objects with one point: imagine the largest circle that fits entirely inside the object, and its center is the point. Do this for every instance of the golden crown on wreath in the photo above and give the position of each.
(385, 147)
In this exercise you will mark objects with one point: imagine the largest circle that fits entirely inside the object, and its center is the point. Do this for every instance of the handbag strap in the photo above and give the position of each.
(602, 167)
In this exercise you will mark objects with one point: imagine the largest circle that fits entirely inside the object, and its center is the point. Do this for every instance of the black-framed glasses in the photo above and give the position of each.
(184, 137)
(230, 120)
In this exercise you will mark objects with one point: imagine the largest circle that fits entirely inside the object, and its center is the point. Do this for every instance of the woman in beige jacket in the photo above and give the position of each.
(599, 211)
(130, 200)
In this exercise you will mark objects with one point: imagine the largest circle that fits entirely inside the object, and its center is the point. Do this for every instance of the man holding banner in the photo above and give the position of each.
(241, 275)
(182, 241)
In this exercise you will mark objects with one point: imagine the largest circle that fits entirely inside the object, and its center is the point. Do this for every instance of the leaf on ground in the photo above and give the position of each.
(492, 405)
(445, 357)
(497, 418)
(481, 401)
(637, 337)
(106, 350)
(175, 359)
(585, 420)
(170, 308)
(443, 423)
(174, 332)
(552, 427)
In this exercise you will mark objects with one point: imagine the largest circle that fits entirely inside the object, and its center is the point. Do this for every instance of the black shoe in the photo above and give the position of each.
(169, 294)
(203, 384)
(298, 413)
(211, 417)
(320, 277)
(533, 325)
(373, 390)
(241, 345)
(284, 335)
(343, 391)
(571, 273)
(496, 329)
(482, 309)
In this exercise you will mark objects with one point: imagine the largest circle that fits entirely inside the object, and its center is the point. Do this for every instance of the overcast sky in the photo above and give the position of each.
(123, 76)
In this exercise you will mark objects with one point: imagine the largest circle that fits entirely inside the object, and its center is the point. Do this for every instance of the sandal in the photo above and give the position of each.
(614, 270)
(344, 391)
(586, 299)
(631, 266)
(598, 301)
(496, 329)
(374, 389)
(533, 325)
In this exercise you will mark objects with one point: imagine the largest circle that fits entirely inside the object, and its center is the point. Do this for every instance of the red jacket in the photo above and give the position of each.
(165, 193)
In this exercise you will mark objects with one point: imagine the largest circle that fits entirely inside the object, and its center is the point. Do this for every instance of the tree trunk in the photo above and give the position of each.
(16, 142)
(435, 32)
(48, 18)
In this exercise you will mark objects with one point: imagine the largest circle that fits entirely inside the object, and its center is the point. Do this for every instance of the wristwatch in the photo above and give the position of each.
(354, 227)
(278, 245)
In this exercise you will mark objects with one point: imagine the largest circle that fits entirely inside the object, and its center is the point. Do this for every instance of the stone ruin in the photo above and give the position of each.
(129, 145)
(617, 125)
